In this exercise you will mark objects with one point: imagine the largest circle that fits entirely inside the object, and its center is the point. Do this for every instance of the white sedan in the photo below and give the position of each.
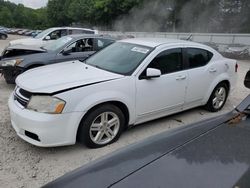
(127, 83)
(51, 34)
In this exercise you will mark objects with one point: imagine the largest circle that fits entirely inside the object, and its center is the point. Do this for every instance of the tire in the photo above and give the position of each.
(3, 37)
(95, 131)
(9, 78)
(218, 98)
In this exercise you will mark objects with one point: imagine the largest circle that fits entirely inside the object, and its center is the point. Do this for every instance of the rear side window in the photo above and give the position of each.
(198, 57)
(80, 31)
(168, 61)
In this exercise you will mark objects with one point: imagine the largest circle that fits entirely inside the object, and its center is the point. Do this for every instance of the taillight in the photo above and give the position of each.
(236, 67)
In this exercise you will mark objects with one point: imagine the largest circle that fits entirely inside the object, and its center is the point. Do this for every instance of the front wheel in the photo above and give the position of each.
(218, 98)
(102, 126)
(3, 37)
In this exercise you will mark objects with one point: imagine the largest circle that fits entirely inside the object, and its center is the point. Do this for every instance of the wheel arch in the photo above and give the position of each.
(122, 106)
(213, 86)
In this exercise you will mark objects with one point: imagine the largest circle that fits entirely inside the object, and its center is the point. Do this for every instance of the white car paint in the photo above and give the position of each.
(41, 41)
(83, 87)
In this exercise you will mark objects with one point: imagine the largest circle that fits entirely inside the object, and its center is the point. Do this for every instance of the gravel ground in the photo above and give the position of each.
(24, 165)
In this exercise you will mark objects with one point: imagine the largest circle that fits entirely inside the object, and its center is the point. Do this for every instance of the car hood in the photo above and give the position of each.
(27, 41)
(25, 47)
(58, 77)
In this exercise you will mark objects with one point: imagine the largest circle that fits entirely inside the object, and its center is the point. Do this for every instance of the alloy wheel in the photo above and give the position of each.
(219, 97)
(104, 128)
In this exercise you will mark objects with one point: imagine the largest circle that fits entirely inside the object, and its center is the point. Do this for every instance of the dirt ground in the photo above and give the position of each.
(24, 165)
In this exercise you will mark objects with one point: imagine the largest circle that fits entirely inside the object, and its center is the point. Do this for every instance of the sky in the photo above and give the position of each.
(31, 3)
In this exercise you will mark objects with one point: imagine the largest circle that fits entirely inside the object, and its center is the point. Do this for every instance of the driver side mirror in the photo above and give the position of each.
(151, 73)
(47, 38)
(247, 80)
(65, 52)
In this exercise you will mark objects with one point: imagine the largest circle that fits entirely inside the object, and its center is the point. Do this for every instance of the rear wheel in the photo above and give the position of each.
(102, 126)
(218, 98)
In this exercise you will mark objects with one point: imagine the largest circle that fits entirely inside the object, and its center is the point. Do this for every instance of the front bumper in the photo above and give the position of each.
(44, 130)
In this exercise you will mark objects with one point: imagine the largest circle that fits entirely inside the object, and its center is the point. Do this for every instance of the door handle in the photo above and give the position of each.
(213, 70)
(183, 77)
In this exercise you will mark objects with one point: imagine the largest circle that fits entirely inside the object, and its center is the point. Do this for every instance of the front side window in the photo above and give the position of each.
(82, 45)
(58, 34)
(198, 57)
(122, 58)
(168, 61)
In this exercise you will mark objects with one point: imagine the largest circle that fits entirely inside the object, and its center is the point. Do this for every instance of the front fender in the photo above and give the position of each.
(106, 96)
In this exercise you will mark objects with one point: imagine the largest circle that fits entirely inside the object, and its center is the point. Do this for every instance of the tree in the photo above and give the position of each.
(6, 17)
(57, 12)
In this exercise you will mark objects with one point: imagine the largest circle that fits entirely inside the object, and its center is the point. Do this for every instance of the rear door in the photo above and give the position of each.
(201, 73)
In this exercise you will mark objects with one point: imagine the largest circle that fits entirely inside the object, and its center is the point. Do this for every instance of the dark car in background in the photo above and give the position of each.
(18, 58)
(213, 153)
(3, 35)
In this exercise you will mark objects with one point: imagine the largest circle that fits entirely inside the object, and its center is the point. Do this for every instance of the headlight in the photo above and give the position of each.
(46, 104)
(13, 62)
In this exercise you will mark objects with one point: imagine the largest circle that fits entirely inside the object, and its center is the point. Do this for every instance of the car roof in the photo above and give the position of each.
(154, 42)
(79, 28)
(78, 36)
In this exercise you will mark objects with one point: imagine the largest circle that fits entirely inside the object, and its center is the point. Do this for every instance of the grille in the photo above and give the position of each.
(24, 93)
(22, 96)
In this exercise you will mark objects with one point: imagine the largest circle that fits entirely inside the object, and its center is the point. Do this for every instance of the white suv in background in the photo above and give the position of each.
(52, 34)
(127, 83)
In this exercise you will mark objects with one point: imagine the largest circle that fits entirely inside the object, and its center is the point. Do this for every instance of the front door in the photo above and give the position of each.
(79, 50)
(164, 95)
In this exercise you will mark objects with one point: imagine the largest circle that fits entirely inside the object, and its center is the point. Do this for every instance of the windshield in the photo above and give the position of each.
(57, 44)
(44, 33)
(121, 58)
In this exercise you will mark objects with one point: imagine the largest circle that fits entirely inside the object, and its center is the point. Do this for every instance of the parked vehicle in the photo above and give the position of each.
(52, 34)
(237, 51)
(127, 83)
(22, 32)
(15, 31)
(17, 59)
(35, 33)
(28, 33)
(213, 153)
(4, 29)
(3, 35)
